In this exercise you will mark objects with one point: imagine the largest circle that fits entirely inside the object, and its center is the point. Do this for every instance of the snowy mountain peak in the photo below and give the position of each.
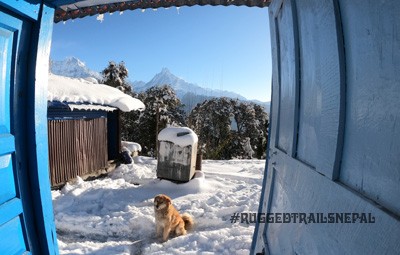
(182, 87)
(166, 77)
(189, 93)
(165, 71)
(74, 61)
(72, 67)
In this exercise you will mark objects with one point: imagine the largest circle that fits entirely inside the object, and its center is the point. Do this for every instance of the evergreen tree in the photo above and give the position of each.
(230, 128)
(211, 121)
(163, 108)
(262, 122)
(115, 76)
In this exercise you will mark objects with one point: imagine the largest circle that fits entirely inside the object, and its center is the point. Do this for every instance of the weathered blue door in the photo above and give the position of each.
(26, 222)
(12, 224)
(334, 137)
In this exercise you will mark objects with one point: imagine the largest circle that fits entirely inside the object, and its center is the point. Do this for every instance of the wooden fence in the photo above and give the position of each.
(76, 147)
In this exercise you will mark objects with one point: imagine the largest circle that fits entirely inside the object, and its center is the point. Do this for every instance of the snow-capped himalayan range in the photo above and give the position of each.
(189, 93)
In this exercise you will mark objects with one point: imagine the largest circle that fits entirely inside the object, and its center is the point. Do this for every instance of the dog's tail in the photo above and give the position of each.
(189, 223)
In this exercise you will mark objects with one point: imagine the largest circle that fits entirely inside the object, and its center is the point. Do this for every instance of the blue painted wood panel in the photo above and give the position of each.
(347, 155)
(26, 216)
(297, 188)
(10, 209)
(322, 84)
(288, 77)
(59, 111)
(12, 234)
(27, 9)
(275, 88)
(7, 45)
(37, 140)
(13, 242)
(371, 154)
(8, 189)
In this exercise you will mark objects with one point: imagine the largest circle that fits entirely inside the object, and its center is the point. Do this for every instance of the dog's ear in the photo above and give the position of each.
(168, 199)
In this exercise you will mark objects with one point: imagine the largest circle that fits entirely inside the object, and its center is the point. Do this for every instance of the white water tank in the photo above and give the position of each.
(177, 149)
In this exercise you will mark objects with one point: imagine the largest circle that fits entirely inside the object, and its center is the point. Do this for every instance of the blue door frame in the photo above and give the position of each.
(26, 213)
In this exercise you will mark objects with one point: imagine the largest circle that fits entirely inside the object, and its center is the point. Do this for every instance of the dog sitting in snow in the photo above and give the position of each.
(168, 218)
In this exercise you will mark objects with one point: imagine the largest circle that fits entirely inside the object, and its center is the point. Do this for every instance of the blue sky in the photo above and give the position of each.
(216, 47)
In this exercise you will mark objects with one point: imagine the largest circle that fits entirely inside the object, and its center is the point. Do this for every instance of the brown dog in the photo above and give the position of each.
(168, 218)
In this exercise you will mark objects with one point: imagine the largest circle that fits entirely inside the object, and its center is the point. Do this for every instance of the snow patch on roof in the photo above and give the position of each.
(64, 89)
(170, 134)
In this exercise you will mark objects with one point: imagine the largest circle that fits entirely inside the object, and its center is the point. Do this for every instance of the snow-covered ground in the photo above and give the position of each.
(114, 215)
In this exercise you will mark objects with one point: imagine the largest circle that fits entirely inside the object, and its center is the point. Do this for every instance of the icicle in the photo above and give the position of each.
(100, 18)
(177, 9)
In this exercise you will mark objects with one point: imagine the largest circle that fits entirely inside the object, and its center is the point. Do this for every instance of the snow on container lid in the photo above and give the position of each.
(182, 136)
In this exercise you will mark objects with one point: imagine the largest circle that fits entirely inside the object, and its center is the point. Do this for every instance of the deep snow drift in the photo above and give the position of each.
(114, 215)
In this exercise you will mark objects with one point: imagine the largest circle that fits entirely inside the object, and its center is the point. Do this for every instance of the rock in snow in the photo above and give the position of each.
(115, 215)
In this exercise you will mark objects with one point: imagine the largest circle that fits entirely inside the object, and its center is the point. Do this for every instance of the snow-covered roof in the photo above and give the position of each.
(72, 90)
(182, 136)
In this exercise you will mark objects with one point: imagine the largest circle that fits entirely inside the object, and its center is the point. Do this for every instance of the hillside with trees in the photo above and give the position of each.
(227, 128)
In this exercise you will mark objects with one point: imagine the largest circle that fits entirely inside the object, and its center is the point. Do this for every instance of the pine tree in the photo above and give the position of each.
(163, 108)
(230, 128)
(211, 121)
(115, 76)
(262, 127)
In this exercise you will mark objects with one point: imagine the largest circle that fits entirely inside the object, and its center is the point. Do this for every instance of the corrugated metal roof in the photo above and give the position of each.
(70, 9)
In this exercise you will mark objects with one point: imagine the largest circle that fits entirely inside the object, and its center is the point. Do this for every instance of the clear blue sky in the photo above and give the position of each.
(216, 47)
